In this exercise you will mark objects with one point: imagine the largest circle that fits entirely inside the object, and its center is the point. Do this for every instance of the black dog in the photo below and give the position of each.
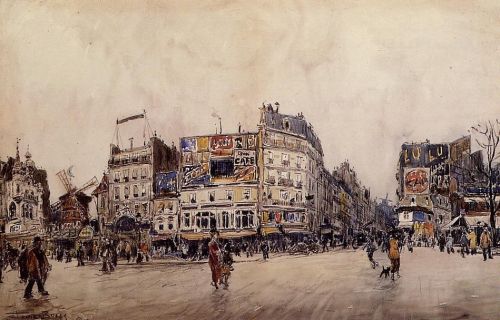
(385, 271)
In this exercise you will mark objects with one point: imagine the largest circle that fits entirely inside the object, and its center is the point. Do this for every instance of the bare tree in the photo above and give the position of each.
(488, 137)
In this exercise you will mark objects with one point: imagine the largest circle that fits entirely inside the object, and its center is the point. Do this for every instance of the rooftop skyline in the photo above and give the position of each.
(367, 76)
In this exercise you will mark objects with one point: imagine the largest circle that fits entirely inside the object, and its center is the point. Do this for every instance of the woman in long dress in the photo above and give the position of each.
(394, 256)
(214, 259)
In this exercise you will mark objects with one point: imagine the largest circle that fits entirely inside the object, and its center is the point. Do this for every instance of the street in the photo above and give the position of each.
(333, 285)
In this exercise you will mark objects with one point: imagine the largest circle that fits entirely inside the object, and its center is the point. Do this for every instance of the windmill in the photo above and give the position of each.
(74, 203)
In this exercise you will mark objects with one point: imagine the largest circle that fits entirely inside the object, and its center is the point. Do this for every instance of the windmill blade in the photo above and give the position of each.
(63, 176)
(92, 182)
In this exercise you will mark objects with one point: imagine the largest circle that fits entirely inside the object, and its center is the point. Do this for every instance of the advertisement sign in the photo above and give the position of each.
(244, 158)
(459, 148)
(188, 144)
(221, 145)
(440, 178)
(166, 182)
(194, 175)
(423, 155)
(416, 180)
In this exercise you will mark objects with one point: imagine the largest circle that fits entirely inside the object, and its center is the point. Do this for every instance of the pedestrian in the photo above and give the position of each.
(449, 244)
(38, 268)
(1, 263)
(214, 258)
(325, 244)
(23, 264)
(486, 244)
(128, 251)
(80, 255)
(442, 242)
(472, 242)
(264, 247)
(394, 256)
(370, 249)
(464, 244)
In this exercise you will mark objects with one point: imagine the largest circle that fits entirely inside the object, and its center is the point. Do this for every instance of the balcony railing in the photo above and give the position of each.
(285, 182)
(271, 180)
(280, 202)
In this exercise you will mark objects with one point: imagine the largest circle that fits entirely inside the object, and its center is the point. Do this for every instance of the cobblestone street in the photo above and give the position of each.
(334, 285)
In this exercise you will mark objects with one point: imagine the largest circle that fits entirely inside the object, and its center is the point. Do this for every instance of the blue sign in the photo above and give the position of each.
(166, 182)
(418, 216)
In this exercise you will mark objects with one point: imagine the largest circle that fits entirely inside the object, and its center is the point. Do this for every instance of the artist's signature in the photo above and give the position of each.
(42, 315)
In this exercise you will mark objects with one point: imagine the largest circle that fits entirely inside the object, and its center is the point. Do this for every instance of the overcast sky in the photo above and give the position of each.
(368, 75)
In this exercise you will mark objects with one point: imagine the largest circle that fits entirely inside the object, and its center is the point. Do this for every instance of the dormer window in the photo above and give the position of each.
(286, 124)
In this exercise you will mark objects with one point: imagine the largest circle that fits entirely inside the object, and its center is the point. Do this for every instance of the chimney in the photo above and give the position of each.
(239, 127)
(131, 142)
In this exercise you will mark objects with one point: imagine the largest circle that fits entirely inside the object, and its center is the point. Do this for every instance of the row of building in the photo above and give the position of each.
(269, 182)
(441, 187)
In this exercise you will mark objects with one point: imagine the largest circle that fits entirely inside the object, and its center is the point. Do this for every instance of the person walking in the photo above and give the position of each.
(485, 244)
(1, 263)
(472, 242)
(394, 256)
(370, 249)
(264, 247)
(128, 251)
(80, 255)
(449, 244)
(464, 244)
(22, 261)
(214, 259)
(442, 242)
(38, 267)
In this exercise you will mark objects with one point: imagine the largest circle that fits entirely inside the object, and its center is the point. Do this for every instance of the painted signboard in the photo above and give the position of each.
(166, 182)
(416, 180)
(221, 145)
(423, 155)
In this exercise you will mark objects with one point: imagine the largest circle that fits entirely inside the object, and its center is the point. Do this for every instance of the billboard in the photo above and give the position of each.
(440, 178)
(423, 154)
(166, 182)
(416, 180)
(459, 148)
(219, 159)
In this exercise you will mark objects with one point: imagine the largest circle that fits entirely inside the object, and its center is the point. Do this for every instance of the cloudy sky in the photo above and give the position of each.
(368, 75)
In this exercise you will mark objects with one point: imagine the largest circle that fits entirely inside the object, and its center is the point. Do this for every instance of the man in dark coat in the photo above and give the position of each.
(38, 267)
(22, 261)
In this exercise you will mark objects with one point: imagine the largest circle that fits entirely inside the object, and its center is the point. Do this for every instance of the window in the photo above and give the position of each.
(205, 220)
(298, 196)
(125, 175)
(211, 196)
(406, 216)
(117, 207)
(143, 190)
(187, 219)
(299, 162)
(246, 194)
(244, 219)
(144, 173)
(229, 194)
(160, 227)
(270, 158)
(117, 193)
(134, 174)
(126, 192)
(285, 160)
(117, 176)
(192, 197)
(283, 195)
(136, 208)
(225, 219)
(136, 191)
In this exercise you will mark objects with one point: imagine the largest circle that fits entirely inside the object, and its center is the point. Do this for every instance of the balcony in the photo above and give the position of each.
(285, 182)
(286, 203)
(271, 180)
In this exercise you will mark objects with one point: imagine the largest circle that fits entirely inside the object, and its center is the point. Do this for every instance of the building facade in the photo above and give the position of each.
(291, 165)
(219, 185)
(24, 194)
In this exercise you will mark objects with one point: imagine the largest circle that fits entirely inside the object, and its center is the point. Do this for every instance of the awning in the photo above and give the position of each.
(161, 237)
(269, 230)
(195, 236)
(237, 234)
(454, 223)
(473, 220)
(297, 231)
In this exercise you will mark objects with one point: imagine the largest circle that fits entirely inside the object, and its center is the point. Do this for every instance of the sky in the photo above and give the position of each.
(368, 75)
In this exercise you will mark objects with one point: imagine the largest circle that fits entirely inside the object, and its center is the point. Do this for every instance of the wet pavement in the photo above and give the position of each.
(333, 285)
